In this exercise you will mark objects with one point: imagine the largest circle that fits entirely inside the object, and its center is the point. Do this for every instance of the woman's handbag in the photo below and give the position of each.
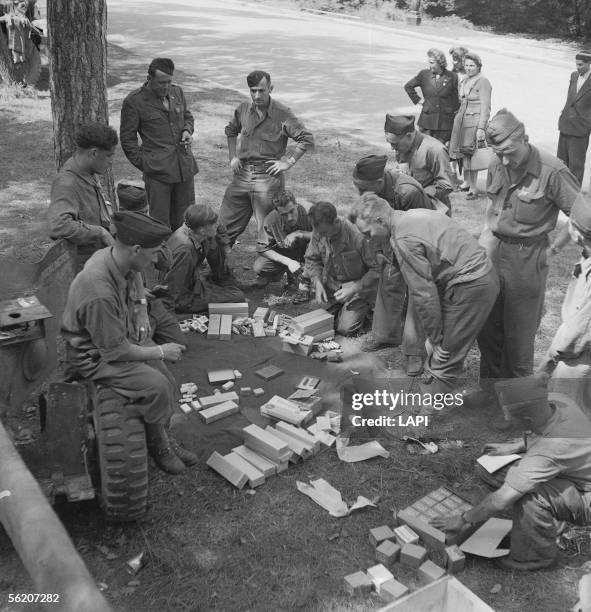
(481, 157)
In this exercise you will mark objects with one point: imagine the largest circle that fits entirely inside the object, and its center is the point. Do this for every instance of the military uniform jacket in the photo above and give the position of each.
(346, 256)
(161, 155)
(529, 207)
(573, 338)
(403, 192)
(434, 254)
(575, 119)
(440, 101)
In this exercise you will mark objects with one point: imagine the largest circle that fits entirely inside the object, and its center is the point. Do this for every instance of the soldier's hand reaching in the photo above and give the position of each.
(290, 239)
(320, 292)
(448, 523)
(503, 448)
(293, 266)
(172, 351)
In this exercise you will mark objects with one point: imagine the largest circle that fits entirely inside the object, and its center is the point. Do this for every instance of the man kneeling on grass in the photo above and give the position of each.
(200, 238)
(550, 483)
(342, 268)
(287, 233)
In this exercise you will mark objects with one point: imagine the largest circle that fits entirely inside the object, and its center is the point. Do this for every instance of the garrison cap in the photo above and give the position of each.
(518, 393)
(138, 228)
(399, 124)
(370, 168)
(584, 55)
(501, 126)
(580, 215)
(131, 196)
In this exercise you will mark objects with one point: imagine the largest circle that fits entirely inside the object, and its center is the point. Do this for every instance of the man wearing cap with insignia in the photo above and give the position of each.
(427, 158)
(97, 326)
(574, 123)
(527, 188)
(451, 282)
(157, 112)
(549, 484)
(569, 357)
(402, 192)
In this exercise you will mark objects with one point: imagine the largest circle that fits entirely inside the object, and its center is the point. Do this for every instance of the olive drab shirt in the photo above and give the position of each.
(265, 138)
(78, 209)
(98, 323)
(345, 256)
(161, 155)
(403, 192)
(434, 253)
(529, 208)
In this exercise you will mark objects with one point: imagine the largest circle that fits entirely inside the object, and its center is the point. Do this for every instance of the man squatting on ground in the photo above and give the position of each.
(342, 268)
(402, 192)
(199, 239)
(549, 484)
(97, 326)
(287, 233)
(427, 157)
(568, 359)
(158, 113)
(527, 188)
(451, 282)
(257, 141)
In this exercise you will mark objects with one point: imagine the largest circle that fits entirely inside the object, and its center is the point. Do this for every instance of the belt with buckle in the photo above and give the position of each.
(525, 241)
(260, 167)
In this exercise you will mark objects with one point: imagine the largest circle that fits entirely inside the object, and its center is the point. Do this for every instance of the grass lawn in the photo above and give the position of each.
(209, 546)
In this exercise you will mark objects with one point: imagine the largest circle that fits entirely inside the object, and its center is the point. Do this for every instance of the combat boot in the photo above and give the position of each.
(160, 449)
(186, 456)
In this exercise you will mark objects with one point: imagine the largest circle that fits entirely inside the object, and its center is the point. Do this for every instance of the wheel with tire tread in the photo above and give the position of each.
(122, 458)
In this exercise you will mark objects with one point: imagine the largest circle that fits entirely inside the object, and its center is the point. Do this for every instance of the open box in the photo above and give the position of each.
(447, 594)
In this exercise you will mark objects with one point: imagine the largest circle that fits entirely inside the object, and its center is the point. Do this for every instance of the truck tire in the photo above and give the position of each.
(122, 458)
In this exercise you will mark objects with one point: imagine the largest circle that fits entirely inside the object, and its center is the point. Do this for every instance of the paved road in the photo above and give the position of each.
(333, 72)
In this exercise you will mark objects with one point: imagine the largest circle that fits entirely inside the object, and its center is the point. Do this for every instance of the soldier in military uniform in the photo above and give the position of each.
(402, 192)
(258, 159)
(158, 113)
(98, 324)
(342, 268)
(527, 188)
(450, 280)
(427, 157)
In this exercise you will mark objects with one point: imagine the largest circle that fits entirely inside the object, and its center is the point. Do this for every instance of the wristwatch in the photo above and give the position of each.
(463, 515)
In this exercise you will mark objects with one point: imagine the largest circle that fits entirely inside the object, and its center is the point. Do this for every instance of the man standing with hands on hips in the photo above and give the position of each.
(257, 140)
(158, 113)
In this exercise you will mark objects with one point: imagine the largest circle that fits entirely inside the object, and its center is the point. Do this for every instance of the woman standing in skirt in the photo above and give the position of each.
(471, 119)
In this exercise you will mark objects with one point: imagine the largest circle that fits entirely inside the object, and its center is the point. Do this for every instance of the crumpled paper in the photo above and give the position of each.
(325, 495)
(352, 454)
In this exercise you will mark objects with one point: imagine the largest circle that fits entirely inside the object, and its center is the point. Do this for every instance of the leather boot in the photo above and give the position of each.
(186, 456)
(160, 449)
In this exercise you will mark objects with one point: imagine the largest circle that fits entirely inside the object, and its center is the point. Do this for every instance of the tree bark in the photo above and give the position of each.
(77, 71)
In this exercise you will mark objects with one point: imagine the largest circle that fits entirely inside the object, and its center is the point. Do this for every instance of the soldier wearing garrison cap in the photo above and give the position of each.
(132, 196)
(574, 123)
(402, 192)
(550, 483)
(98, 326)
(569, 356)
(427, 158)
(527, 188)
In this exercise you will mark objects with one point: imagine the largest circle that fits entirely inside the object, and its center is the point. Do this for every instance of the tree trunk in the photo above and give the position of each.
(77, 71)
(7, 72)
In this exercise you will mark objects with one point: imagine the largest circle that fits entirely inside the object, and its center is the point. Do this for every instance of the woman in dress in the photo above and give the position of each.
(471, 119)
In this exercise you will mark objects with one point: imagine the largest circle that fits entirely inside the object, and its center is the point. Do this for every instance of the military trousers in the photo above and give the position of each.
(506, 341)
(465, 308)
(250, 192)
(169, 201)
(534, 531)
